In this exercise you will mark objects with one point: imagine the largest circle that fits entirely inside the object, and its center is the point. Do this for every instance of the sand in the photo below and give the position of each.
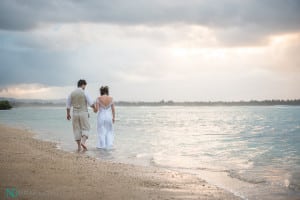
(38, 170)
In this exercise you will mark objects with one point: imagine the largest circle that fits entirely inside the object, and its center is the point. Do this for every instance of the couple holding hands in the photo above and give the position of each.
(79, 100)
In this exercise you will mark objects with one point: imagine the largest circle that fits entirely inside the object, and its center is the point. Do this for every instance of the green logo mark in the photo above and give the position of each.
(11, 193)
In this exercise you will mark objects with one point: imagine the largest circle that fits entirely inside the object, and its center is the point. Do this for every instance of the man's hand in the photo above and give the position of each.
(95, 110)
(68, 114)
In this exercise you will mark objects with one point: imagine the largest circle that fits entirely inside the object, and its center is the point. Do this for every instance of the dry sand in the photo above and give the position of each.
(38, 170)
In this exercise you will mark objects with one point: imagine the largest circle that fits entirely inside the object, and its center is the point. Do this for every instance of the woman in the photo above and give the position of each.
(106, 117)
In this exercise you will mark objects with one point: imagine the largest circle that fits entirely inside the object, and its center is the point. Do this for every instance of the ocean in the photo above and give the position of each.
(251, 151)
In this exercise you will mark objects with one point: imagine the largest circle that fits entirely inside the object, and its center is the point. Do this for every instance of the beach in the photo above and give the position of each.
(34, 169)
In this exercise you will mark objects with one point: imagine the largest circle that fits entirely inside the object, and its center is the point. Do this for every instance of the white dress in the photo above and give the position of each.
(105, 126)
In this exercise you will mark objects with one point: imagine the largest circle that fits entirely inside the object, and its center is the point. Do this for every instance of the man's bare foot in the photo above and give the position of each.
(84, 147)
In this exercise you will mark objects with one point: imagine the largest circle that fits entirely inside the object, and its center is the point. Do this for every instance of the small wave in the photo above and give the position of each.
(213, 169)
(294, 182)
(156, 164)
(256, 180)
(215, 134)
(141, 155)
(294, 187)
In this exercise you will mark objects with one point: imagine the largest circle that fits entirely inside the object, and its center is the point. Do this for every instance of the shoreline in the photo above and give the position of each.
(38, 170)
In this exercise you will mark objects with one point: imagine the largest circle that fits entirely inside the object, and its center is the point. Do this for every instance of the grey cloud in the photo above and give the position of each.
(33, 67)
(273, 15)
(30, 63)
(3, 89)
(24, 59)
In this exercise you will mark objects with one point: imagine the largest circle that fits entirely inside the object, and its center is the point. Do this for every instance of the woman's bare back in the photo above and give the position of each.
(105, 100)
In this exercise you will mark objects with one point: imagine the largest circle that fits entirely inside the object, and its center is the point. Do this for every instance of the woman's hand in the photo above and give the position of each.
(113, 120)
(94, 106)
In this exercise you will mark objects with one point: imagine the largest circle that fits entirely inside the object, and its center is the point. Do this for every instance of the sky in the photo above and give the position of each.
(144, 50)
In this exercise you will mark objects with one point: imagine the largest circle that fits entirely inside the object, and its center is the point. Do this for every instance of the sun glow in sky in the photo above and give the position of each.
(207, 52)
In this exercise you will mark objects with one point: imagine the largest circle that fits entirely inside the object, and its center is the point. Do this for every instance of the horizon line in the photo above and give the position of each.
(161, 101)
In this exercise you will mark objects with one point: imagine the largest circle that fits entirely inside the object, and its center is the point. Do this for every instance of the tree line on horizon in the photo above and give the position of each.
(14, 103)
(5, 105)
(214, 103)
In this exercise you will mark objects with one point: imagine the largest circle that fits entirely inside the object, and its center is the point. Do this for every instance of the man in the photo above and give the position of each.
(80, 100)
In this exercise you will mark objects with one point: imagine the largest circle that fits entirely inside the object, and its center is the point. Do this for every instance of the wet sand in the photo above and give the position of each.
(38, 170)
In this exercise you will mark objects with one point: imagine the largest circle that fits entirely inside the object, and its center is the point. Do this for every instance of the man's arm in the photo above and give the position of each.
(89, 100)
(68, 114)
(68, 104)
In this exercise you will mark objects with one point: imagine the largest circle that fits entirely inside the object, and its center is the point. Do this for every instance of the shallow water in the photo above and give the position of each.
(252, 151)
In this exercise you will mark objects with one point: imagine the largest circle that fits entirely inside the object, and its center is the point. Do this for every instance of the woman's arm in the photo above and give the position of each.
(113, 112)
(96, 107)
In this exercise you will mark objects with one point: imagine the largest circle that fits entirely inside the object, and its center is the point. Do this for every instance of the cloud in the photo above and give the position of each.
(22, 90)
(284, 53)
(209, 49)
(141, 54)
(238, 22)
(34, 91)
(33, 67)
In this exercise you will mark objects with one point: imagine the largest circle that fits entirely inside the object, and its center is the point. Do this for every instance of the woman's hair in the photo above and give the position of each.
(104, 90)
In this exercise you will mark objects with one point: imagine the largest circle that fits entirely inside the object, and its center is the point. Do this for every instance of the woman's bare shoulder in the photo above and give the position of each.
(105, 99)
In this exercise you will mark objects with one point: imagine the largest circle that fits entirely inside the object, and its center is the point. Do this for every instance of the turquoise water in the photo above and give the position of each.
(252, 151)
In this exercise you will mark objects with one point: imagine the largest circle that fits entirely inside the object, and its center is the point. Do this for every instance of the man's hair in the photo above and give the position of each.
(81, 82)
(104, 90)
